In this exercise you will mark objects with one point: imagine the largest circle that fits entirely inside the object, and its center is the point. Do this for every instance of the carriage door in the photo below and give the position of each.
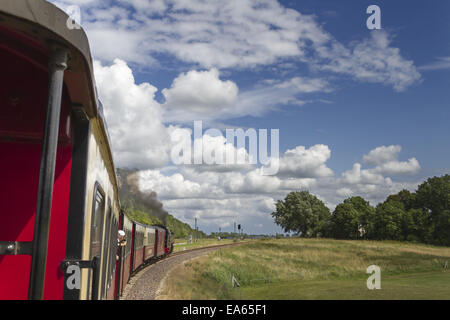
(96, 241)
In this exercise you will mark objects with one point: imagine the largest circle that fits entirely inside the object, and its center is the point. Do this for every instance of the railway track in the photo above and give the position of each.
(145, 282)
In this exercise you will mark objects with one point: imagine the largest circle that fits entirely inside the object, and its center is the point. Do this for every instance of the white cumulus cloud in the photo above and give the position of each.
(386, 161)
(305, 163)
(139, 138)
(237, 34)
(201, 92)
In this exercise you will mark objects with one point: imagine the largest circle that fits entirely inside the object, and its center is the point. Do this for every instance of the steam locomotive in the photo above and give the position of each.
(60, 212)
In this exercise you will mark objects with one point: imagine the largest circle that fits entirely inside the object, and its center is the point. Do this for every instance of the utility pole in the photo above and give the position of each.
(196, 235)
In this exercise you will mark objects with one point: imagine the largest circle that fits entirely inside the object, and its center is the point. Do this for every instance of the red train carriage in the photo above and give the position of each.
(59, 207)
(149, 243)
(138, 245)
(160, 245)
(38, 132)
(60, 210)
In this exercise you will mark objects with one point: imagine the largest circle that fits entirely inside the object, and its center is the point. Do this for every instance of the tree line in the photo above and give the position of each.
(421, 216)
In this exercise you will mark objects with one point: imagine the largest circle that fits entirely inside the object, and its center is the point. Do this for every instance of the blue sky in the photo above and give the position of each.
(364, 112)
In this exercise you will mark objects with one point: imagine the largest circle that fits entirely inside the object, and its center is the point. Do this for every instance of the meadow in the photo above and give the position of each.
(313, 269)
(183, 244)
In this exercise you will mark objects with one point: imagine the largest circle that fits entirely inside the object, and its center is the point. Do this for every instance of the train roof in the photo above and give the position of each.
(40, 22)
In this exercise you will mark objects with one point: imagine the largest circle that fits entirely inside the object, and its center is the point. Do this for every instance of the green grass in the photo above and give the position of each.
(315, 269)
(415, 286)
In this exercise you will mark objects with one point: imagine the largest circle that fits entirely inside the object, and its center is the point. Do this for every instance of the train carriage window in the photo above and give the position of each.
(128, 247)
(139, 237)
(97, 225)
(145, 238)
(96, 239)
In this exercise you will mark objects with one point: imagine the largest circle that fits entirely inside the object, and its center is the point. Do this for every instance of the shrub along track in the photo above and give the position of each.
(145, 283)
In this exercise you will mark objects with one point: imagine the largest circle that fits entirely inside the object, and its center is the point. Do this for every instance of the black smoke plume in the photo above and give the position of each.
(129, 188)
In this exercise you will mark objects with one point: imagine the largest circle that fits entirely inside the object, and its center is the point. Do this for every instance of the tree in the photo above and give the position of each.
(433, 196)
(407, 198)
(415, 222)
(366, 215)
(418, 224)
(303, 213)
(397, 219)
(345, 222)
(421, 216)
(388, 221)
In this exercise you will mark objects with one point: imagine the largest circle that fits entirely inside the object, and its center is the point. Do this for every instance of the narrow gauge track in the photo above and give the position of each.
(145, 282)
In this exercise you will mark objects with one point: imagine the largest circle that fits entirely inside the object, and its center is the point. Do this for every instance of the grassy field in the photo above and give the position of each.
(313, 269)
(183, 244)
